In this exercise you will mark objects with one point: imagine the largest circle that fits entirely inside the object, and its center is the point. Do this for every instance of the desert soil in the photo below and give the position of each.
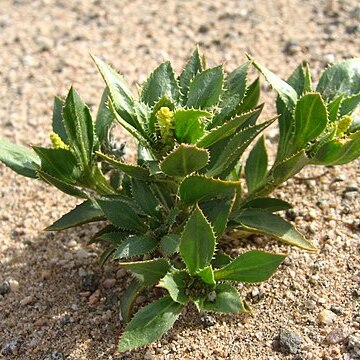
(60, 304)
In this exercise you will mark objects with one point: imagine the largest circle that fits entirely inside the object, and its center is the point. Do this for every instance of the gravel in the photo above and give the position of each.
(289, 342)
(44, 49)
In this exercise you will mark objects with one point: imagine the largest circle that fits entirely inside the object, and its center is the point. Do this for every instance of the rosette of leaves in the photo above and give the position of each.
(166, 213)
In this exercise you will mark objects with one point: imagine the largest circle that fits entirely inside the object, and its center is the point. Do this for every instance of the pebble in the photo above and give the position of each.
(14, 285)
(71, 244)
(148, 355)
(329, 58)
(94, 297)
(310, 304)
(354, 345)
(120, 273)
(326, 317)
(54, 355)
(335, 336)
(289, 342)
(208, 320)
(82, 254)
(89, 282)
(12, 347)
(28, 300)
(292, 47)
(109, 283)
(4, 288)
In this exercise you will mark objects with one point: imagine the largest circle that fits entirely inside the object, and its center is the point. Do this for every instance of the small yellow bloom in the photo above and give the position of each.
(57, 142)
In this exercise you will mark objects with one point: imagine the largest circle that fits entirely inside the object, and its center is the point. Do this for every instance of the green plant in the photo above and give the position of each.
(167, 213)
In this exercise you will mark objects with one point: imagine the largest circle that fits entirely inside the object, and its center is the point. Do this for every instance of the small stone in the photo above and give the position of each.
(94, 297)
(310, 304)
(14, 285)
(12, 347)
(82, 254)
(4, 288)
(326, 317)
(335, 336)
(352, 29)
(109, 283)
(89, 282)
(85, 293)
(291, 214)
(289, 342)
(208, 320)
(292, 47)
(329, 58)
(336, 309)
(120, 273)
(28, 300)
(148, 355)
(203, 29)
(354, 345)
(46, 274)
(71, 244)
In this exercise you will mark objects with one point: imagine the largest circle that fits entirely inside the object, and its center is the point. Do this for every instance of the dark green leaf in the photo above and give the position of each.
(104, 117)
(184, 160)
(21, 159)
(122, 215)
(297, 80)
(84, 213)
(57, 120)
(207, 275)
(150, 323)
(105, 255)
(169, 244)
(340, 78)
(206, 88)
(349, 104)
(198, 188)
(251, 97)
(256, 165)
(220, 260)
(264, 222)
(192, 68)
(188, 125)
(250, 267)
(135, 246)
(269, 204)
(79, 128)
(176, 283)
(227, 300)
(148, 272)
(160, 83)
(128, 299)
(334, 108)
(197, 243)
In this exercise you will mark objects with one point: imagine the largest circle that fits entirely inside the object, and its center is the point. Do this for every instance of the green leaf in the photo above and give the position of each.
(122, 215)
(250, 267)
(121, 96)
(84, 213)
(57, 120)
(235, 148)
(251, 97)
(217, 212)
(339, 152)
(169, 244)
(145, 198)
(104, 117)
(160, 83)
(105, 255)
(198, 188)
(333, 108)
(268, 204)
(113, 235)
(128, 299)
(256, 165)
(197, 243)
(150, 323)
(227, 300)
(227, 129)
(79, 128)
(192, 68)
(297, 80)
(220, 260)
(184, 160)
(286, 93)
(340, 78)
(188, 125)
(148, 272)
(206, 88)
(176, 283)
(61, 185)
(310, 120)
(135, 246)
(134, 171)
(349, 104)
(20, 159)
(264, 222)
(235, 87)
(59, 163)
(207, 275)
(308, 81)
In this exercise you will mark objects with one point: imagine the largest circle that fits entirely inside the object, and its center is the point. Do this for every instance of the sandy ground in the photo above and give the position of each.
(44, 47)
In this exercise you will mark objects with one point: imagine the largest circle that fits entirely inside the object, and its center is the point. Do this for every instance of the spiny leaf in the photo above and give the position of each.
(122, 215)
(79, 128)
(264, 222)
(175, 282)
(349, 104)
(197, 243)
(192, 68)
(169, 244)
(220, 260)
(206, 88)
(251, 97)
(268, 204)
(134, 171)
(256, 165)
(104, 117)
(198, 188)
(160, 83)
(21, 159)
(148, 272)
(207, 275)
(135, 246)
(84, 213)
(57, 120)
(150, 323)
(227, 300)
(333, 108)
(184, 160)
(227, 129)
(128, 299)
(250, 267)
